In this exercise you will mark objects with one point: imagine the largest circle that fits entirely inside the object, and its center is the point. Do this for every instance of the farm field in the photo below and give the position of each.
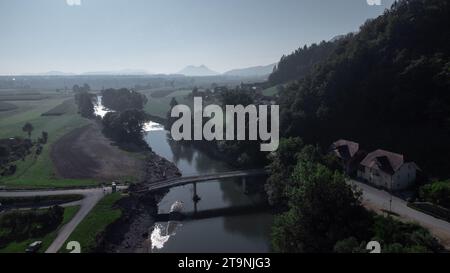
(37, 172)
(158, 105)
(6, 106)
(271, 91)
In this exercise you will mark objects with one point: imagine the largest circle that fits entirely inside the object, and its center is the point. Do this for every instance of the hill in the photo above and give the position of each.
(252, 71)
(386, 87)
(201, 70)
(301, 62)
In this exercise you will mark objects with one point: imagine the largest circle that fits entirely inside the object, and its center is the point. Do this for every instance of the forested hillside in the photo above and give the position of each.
(387, 86)
(298, 64)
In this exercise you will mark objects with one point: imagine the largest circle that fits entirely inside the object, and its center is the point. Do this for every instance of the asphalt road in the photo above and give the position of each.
(91, 198)
(379, 200)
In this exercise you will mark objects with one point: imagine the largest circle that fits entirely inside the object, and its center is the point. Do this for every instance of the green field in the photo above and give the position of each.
(60, 109)
(39, 201)
(159, 105)
(271, 91)
(38, 171)
(19, 247)
(95, 223)
(6, 106)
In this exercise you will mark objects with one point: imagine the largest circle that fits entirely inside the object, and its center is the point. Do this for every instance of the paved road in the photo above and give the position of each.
(179, 181)
(379, 200)
(91, 197)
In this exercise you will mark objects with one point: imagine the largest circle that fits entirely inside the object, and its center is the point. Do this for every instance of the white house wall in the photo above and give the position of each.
(402, 179)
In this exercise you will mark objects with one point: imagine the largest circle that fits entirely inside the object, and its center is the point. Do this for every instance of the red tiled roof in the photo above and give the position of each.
(344, 148)
(386, 161)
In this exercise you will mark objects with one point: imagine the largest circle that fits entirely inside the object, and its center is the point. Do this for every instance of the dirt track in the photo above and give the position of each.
(86, 153)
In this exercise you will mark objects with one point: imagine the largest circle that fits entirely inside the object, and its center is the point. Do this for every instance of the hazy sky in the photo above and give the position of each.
(163, 36)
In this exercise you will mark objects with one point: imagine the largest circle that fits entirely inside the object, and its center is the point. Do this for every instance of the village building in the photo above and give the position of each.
(349, 154)
(387, 170)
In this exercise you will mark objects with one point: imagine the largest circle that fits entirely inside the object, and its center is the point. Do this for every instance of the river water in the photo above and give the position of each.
(235, 233)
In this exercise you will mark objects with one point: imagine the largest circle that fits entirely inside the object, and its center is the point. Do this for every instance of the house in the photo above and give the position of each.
(387, 170)
(349, 154)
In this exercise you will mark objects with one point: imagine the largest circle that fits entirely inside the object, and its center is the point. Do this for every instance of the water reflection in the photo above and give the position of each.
(236, 233)
(100, 110)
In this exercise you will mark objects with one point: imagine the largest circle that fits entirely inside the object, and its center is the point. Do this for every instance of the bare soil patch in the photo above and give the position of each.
(85, 153)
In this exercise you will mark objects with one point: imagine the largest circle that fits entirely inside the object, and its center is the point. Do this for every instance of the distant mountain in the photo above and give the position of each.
(252, 71)
(57, 73)
(123, 72)
(49, 73)
(201, 70)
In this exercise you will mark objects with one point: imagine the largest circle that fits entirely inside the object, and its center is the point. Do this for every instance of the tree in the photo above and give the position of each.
(349, 245)
(323, 209)
(76, 88)
(282, 163)
(170, 119)
(127, 126)
(123, 99)
(173, 102)
(44, 137)
(28, 128)
(86, 87)
(85, 102)
(437, 193)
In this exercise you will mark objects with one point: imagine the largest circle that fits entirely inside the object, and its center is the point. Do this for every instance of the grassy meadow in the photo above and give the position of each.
(89, 230)
(159, 103)
(38, 171)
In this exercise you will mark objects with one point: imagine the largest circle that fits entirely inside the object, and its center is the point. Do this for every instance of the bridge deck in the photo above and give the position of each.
(179, 181)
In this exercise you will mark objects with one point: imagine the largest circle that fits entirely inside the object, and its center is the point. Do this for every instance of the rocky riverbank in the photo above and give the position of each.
(129, 233)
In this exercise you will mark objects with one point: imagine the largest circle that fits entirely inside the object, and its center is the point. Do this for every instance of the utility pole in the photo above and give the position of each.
(390, 200)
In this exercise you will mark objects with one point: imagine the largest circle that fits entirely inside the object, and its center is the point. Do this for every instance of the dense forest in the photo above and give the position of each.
(386, 86)
(301, 62)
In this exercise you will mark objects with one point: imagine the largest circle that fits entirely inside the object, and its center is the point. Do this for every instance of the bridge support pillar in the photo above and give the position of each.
(195, 197)
(244, 185)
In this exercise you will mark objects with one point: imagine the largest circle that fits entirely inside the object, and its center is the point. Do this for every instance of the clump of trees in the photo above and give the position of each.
(126, 126)
(17, 148)
(22, 225)
(85, 102)
(242, 153)
(123, 99)
(77, 89)
(28, 128)
(437, 192)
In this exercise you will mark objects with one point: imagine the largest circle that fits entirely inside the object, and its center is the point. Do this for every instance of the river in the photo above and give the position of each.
(236, 233)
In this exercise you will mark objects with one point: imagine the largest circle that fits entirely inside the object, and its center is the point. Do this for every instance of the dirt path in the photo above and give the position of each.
(85, 153)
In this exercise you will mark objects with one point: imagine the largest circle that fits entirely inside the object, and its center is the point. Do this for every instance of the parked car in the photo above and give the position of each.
(33, 247)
